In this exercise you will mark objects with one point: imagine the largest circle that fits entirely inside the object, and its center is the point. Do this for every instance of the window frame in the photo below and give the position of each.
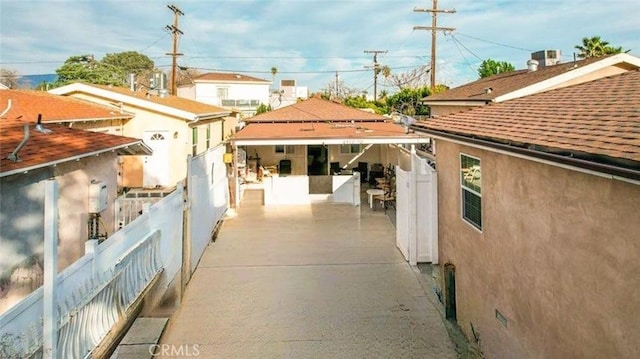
(352, 146)
(472, 191)
(194, 141)
(208, 136)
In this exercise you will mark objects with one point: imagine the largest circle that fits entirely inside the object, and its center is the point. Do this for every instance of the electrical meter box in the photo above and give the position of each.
(97, 197)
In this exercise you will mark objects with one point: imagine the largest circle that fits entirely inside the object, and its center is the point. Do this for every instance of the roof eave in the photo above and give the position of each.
(615, 172)
(138, 148)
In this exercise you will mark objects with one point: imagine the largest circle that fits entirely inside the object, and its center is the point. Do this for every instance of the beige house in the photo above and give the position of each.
(173, 127)
(540, 75)
(84, 165)
(539, 221)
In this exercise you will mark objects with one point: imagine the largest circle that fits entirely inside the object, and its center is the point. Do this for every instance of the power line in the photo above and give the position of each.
(495, 43)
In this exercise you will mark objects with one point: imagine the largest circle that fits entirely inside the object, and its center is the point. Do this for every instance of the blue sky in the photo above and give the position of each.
(309, 40)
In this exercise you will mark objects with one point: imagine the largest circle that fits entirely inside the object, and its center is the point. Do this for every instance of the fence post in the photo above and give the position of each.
(50, 313)
(91, 246)
(413, 208)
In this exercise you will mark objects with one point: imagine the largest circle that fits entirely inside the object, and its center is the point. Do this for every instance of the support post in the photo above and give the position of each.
(413, 209)
(50, 309)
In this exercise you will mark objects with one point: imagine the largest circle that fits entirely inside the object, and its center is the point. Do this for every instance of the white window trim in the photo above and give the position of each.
(463, 188)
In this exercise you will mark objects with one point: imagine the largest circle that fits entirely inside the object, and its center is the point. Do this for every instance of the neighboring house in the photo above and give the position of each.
(85, 166)
(539, 76)
(229, 90)
(539, 221)
(317, 139)
(288, 94)
(174, 127)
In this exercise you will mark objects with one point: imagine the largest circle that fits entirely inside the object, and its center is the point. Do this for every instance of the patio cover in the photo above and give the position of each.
(325, 133)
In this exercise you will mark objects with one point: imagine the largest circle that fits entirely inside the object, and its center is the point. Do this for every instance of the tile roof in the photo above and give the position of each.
(321, 130)
(62, 144)
(504, 83)
(316, 110)
(28, 104)
(176, 102)
(596, 121)
(228, 77)
(144, 98)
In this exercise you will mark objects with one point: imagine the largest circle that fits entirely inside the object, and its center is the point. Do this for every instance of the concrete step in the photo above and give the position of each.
(141, 340)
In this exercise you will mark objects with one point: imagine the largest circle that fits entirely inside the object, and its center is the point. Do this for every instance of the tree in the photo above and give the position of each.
(596, 47)
(408, 101)
(9, 78)
(111, 70)
(263, 108)
(361, 102)
(414, 78)
(491, 67)
(274, 71)
(336, 89)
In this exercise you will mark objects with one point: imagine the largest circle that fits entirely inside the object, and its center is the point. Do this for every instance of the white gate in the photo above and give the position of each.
(208, 188)
(417, 212)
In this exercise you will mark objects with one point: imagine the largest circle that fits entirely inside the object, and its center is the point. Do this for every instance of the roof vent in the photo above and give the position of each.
(163, 93)
(488, 90)
(238, 76)
(532, 65)
(39, 126)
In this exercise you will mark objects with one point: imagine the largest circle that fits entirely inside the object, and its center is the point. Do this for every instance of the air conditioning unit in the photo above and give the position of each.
(97, 196)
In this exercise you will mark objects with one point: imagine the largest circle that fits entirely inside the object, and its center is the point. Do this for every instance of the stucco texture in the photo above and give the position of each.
(557, 256)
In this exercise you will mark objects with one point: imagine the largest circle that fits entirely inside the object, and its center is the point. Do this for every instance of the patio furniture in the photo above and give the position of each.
(374, 192)
(335, 168)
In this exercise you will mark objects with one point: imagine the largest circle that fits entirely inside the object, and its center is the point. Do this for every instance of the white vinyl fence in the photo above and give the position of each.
(208, 188)
(417, 211)
(95, 292)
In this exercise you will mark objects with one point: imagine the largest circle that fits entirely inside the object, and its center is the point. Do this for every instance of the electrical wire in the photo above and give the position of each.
(495, 43)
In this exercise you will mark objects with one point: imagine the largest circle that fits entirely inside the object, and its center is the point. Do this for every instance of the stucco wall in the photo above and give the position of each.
(557, 256)
(22, 217)
(179, 132)
(441, 110)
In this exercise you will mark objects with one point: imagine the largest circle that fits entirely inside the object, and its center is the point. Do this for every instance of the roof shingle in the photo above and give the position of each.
(598, 118)
(316, 110)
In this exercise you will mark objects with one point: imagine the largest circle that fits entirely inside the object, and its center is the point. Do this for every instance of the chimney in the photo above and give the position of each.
(532, 65)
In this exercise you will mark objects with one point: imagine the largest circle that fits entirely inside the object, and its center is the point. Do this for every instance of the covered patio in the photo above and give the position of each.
(301, 162)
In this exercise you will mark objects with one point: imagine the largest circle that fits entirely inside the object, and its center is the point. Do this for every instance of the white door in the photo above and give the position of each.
(156, 167)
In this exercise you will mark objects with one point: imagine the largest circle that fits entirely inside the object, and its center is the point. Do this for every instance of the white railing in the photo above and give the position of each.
(94, 292)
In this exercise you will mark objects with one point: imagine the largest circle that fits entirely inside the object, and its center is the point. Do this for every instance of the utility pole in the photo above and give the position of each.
(434, 28)
(376, 70)
(176, 32)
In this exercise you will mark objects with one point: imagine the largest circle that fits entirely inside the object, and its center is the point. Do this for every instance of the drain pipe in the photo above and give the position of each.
(14, 155)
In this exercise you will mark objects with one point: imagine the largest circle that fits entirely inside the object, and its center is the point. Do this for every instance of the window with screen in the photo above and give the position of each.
(471, 184)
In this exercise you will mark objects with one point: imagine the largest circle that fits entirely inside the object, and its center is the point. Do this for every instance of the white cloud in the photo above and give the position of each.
(309, 40)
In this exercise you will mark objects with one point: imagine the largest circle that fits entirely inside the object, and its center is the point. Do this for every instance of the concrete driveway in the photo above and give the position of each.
(315, 281)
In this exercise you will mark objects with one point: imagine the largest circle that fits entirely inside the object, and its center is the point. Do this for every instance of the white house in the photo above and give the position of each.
(228, 90)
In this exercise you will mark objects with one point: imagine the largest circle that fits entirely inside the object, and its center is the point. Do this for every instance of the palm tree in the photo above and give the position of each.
(274, 71)
(596, 47)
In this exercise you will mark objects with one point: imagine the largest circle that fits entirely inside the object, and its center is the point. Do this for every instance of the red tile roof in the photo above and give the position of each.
(321, 130)
(228, 77)
(504, 83)
(316, 110)
(180, 103)
(62, 144)
(597, 121)
(27, 105)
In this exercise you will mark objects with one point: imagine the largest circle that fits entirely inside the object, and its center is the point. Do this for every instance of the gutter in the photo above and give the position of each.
(571, 163)
(74, 158)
